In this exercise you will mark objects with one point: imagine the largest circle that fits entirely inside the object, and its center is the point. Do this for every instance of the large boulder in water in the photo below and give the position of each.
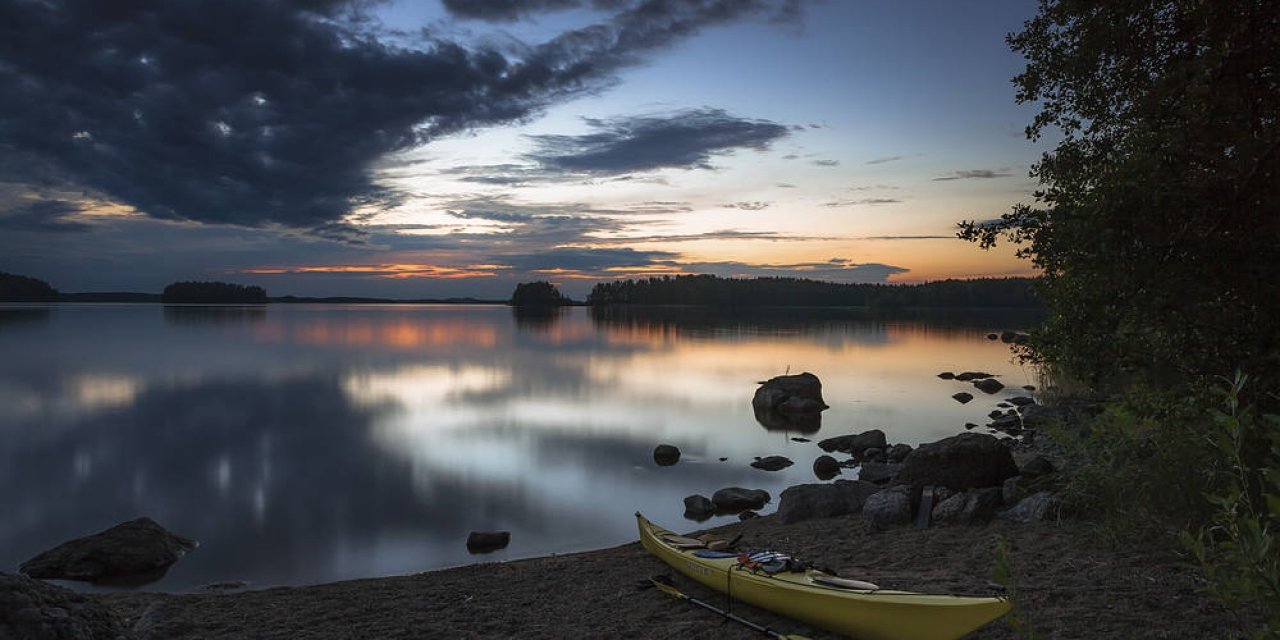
(131, 550)
(965, 461)
(735, 499)
(32, 609)
(698, 507)
(801, 393)
(857, 443)
(811, 501)
(487, 541)
(826, 467)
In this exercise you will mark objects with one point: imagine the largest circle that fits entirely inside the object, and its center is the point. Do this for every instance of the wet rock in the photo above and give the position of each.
(1008, 337)
(131, 550)
(776, 393)
(995, 414)
(772, 463)
(735, 499)
(971, 507)
(698, 507)
(988, 385)
(1022, 401)
(1011, 424)
(947, 375)
(855, 444)
(801, 440)
(993, 336)
(972, 375)
(811, 501)
(970, 425)
(747, 515)
(30, 609)
(887, 508)
(1029, 387)
(898, 452)
(723, 459)
(1033, 508)
(826, 468)
(1003, 405)
(965, 461)
(666, 455)
(488, 541)
(874, 453)
(963, 397)
(1037, 467)
(878, 472)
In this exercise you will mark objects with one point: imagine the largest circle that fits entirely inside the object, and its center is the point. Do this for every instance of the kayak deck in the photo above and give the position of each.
(869, 614)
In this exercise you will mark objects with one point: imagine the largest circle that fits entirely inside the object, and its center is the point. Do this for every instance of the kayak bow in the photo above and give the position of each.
(810, 596)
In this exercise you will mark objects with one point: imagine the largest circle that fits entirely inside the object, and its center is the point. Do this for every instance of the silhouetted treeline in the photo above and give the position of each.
(538, 294)
(15, 288)
(214, 292)
(794, 292)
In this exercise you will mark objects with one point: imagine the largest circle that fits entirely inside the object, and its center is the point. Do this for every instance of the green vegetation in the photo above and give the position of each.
(538, 294)
(1155, 230)
(213, 293)
(15, 288)
(785, 292)
(1016, 619)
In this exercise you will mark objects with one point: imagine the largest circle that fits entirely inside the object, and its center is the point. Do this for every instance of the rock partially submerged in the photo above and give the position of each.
(735, 499)
(962, 397)
(35, 610)
(811, 501)
(800, 393)
(137, 551)
(988, 385)
(826, 467)
(965, 461)
(855, 444)
(772, 463)
(698, 507)
(665, 455)
(488, 541)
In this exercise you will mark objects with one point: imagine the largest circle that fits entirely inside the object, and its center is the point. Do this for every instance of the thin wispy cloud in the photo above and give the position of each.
(748, 206)
(863, 201)
(975, 174)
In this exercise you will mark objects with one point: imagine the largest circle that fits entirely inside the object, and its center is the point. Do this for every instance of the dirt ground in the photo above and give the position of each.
(1071, 587)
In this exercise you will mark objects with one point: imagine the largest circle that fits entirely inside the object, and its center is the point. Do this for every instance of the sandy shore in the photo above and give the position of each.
(1072, 588)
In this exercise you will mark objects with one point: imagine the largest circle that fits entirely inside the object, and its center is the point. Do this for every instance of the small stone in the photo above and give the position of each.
(801, 440)
(947, 375)
(826, 468)
(963, 397)
(747, 515)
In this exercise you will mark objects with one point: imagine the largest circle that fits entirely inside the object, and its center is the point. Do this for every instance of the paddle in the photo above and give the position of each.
(664, 584)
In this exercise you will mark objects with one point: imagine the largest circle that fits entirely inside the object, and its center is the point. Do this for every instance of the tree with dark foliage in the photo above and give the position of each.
(538, 294)
(1159, 217)
(213, 293)
(15, 288)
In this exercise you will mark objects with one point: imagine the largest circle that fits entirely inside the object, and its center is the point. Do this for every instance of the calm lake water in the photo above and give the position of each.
(310, 443)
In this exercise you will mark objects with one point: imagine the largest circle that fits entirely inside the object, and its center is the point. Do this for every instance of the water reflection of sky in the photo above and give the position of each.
(310, 443)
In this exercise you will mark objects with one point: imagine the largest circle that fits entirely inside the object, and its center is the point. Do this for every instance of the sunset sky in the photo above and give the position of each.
(428, 149)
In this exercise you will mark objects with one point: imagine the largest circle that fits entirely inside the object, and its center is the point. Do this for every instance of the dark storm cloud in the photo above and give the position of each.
(505, 10)
(261, 112)
(686, 139)
(970, 174)
(43, 215)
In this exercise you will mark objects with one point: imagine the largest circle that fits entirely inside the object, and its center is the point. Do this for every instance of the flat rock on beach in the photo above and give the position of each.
(1070, 589)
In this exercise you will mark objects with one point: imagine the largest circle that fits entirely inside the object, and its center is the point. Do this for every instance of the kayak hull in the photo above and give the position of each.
(868, 615)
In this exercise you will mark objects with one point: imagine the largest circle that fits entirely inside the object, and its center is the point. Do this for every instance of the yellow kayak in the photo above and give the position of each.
(865, 613)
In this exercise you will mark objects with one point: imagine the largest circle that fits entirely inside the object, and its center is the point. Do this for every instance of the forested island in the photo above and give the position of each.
(16, 288)
(213, 293)
(793, 292)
